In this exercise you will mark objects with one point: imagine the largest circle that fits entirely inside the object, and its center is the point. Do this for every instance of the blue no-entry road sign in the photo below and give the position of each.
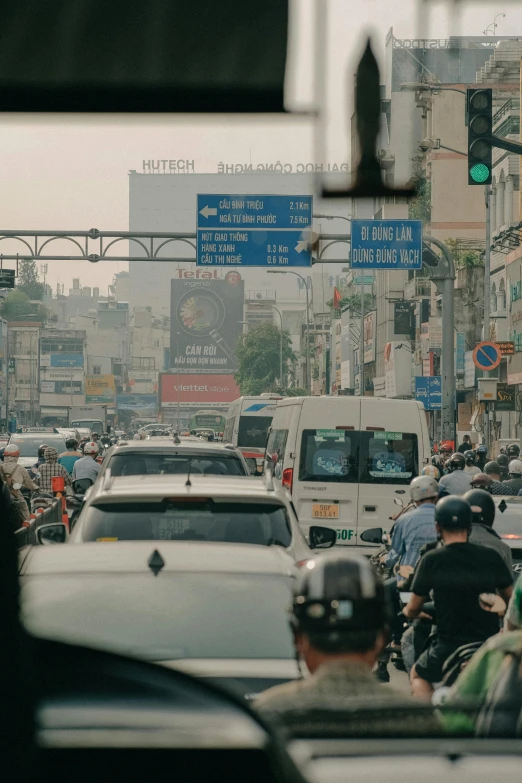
(487, 356)
(386, 244)
(428, 390)
(242, 230)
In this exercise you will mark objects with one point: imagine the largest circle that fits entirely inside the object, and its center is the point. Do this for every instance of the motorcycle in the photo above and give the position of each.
(75, 501)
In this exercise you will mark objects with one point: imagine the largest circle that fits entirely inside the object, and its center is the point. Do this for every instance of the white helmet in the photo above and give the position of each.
(424, 487)
(91, 448)
(432, 471)
(136, 437)
(514, 468)
(11, 450)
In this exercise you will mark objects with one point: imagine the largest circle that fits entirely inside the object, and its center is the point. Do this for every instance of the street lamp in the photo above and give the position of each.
(428, 87)
(280, 338)
(307, 357)
(492, 24)
(333, 217)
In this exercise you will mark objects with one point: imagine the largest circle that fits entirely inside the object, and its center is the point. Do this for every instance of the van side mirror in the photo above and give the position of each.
(322, 537)
(54, 533)
(372, 536)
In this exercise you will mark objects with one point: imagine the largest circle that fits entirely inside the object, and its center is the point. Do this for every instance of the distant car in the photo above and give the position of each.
(29, 442)
(69, 432)
(155, 426)
(508, 525)
(191, 507)
(213, 610)
(84, 433)
(172, 456)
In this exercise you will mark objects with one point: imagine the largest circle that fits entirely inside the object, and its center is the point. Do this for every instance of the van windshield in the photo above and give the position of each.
(346, 456)
(253, 431)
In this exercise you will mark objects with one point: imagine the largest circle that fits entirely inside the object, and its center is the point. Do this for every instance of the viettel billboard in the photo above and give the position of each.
(206, 317)
(196, 390)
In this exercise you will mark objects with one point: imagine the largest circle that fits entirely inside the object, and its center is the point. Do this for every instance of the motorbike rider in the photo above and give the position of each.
(87, 467)
(481, 481)
(483, 510)
(465, 445)
(513, 451)
(456, 481)
(432, 471)
(457, 573)
(470, 466)
(503, 461)
(16, 474)
(68, 458)
(51, 469)
(515, 477)
(40, 459)
(481, 456)
(340, 619)
(494, 472)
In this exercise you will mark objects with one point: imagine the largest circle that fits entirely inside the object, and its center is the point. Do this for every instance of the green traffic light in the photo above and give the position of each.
(479, 172)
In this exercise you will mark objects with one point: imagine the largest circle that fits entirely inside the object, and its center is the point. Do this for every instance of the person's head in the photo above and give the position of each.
(482, 506)
(513, 450)
(481, 481)
(340, 610)
(91, 449)
(492, 469)
(11, 451)
(445, 448)
(453, 518)
(424, 489)
(469, 457)
(41, 451)
(481, 452)
(456, 462)
(432, 471)
(503, 461)
(50, 454)
(71, 444)
(515, 468)
(466, 439)
(95, 437)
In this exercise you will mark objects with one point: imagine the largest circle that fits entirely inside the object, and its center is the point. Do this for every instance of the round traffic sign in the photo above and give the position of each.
(486, 356)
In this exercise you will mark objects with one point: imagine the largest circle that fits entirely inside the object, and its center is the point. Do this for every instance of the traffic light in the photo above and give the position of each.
(480, 141)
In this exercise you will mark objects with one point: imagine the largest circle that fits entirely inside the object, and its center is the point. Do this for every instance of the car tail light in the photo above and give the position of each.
(511, 535)
(287, 478)
(301, 563)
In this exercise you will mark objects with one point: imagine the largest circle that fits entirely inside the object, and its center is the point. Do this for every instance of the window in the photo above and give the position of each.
(329, 455)
(276, 447)
(253, 431)
(388, 457)
(141, 464)
(96, 369)
(143, 363)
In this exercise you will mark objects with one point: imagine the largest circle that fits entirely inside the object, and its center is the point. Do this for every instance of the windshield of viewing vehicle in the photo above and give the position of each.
(240, 522)
(141, 464)
(253, 431)
(29, 446)
(173, 616)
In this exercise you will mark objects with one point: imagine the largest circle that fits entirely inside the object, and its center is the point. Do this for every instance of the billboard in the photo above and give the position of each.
(139, 403)
(206, 323)
(369, 337)
(191, 390)
(61, 360)
(100, 388)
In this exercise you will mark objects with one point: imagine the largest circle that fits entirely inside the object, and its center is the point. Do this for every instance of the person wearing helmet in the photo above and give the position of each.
(514, 482)
(481, 481)
(16, 474)
(483, 510)
(465, 445)
(493, 471)
(503, 461)
(457, 481)
(68, 458)
(481, 456)
(87, 467)
(339, 618)
(513, 451)
(470, 468)
(51, 469)
(432, 471)
(456, 574)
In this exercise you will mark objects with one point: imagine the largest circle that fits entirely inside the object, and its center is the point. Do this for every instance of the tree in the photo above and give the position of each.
(18, 307)
(420, 204)
(28, 281)
(353, 301)
(258, 354)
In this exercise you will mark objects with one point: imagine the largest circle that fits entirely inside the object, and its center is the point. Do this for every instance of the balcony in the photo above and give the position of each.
(417, 287)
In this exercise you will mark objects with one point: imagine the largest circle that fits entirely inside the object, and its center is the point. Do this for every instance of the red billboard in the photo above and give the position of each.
(196, 389)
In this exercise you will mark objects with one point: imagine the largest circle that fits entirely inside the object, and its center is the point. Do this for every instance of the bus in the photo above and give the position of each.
(208, 420)
(247, 423)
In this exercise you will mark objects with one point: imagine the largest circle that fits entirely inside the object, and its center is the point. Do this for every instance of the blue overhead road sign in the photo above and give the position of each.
(242, 230)
(386, 244)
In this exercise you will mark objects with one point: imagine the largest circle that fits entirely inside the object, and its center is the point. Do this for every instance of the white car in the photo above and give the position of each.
(168, 507)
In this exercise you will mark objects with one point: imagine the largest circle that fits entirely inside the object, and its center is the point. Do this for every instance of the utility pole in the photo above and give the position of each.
(361, 342)
(487, 297)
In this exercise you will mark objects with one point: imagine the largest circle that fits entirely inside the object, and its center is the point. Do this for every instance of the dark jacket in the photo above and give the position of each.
(486, 536)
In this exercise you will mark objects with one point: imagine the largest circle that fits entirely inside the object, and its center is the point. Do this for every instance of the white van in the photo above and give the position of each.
(247, 423)
(345, 459)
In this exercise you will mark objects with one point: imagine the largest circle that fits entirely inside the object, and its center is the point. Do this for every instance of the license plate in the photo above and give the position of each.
(325, 510)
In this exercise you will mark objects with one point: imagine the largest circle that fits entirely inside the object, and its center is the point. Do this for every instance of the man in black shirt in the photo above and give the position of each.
(465, 445)
(457, 574)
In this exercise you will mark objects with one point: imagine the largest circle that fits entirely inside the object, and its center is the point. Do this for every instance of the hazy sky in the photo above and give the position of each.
(73, 173)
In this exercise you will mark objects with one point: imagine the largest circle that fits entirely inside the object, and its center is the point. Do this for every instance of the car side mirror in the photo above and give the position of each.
(54, 533)
(251, 465)
(322, 537)
(372, 536)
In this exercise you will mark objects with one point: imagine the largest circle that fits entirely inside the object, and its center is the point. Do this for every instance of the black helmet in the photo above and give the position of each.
(70, 443)
(336, 594)
(492, 467)
(481, 449)
(453, 513)
(482, 506)
(469, 456)
(503, 460)
(456, 462)
(513, 450)
(41, 450)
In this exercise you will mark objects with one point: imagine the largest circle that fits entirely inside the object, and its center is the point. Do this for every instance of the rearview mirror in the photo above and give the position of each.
(54, 533)
(398, 502)
(372, 536)
(322, 537)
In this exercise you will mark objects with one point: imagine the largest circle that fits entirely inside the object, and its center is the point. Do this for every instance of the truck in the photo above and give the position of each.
(93, 417)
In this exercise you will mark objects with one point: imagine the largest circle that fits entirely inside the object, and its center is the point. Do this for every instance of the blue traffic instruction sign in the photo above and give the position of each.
(260, 230)
(428, 390)
(386, 244)
(487, 356)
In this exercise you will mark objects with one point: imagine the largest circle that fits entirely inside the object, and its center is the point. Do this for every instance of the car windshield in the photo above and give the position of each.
(253, 431)
(29, 446)
(173, 616)
(191, 520)
(142, 463)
